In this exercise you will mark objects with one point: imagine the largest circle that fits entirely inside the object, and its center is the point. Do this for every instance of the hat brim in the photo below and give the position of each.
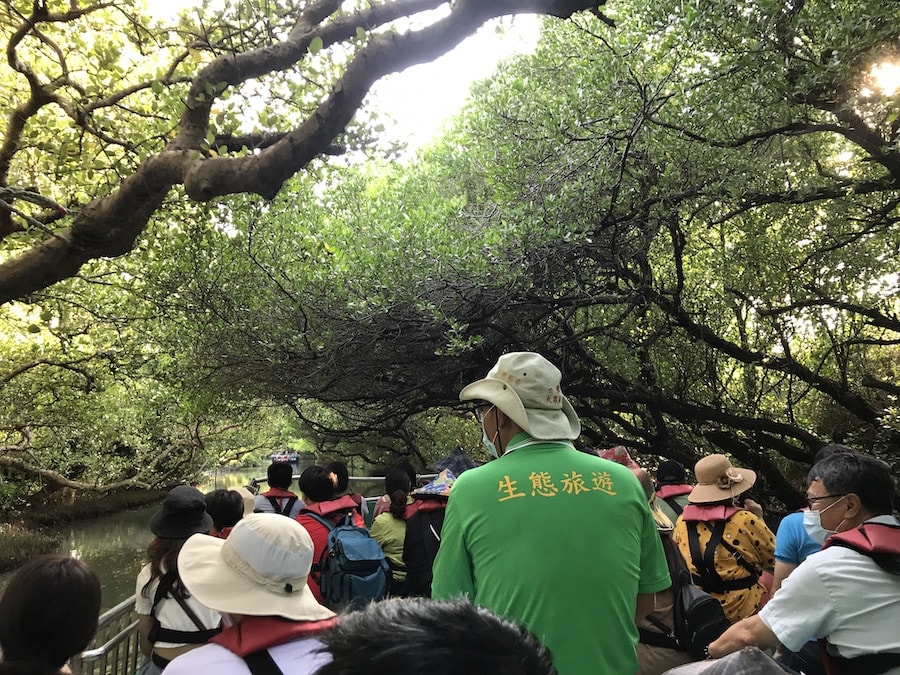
(161, 527)
(541, 423)
(709, 494)
(218, 586)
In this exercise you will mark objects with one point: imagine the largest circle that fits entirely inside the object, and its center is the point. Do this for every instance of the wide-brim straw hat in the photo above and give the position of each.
(526, 388)
(259, 570)
(718, 479)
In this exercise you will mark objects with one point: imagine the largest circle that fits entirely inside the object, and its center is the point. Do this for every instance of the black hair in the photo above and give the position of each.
(397, 487)
(866, 477)
(315, 484)
(49, 611)
(409, 469)
(339, 469)
(280, 475)
(225, 507)
(419, 635)
(828, 450)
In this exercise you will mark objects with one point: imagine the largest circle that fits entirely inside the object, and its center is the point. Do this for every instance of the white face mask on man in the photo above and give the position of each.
(812, 523)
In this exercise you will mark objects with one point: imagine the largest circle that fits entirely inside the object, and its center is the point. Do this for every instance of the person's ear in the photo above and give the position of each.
(854, 505)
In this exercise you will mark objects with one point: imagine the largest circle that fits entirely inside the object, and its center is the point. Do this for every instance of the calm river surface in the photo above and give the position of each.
(115, 545)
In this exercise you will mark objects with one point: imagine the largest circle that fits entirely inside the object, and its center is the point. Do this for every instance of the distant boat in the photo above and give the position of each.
(291, 457)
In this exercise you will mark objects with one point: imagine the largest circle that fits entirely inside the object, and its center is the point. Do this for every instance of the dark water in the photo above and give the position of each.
(115, 545)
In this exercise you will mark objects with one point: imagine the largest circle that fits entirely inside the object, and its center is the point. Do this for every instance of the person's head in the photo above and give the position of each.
(316, 485)
(397, 487)
(225, 507)
(49, 611)
(418, 635)
(719, 481)
(846, 489)
(620, 455)
(341, 477)
(280, 475)
(246, 497)
(183, 513)
(409, 469)
(260, 570)
(671, 472)
(828, 450)
(522, 393)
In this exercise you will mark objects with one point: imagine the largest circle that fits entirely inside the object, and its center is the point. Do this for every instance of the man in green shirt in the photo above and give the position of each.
(561, 541)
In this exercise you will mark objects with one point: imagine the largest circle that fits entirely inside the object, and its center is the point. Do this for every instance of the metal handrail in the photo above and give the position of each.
(115, 648)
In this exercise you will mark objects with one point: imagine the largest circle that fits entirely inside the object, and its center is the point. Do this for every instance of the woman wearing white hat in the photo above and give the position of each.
(724, 539)
(257, 579)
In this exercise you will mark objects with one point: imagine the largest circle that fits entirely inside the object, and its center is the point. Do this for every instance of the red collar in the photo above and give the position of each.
(332, 506)
(708, 512)
(279, 493)
(673, 490)
(254, 633)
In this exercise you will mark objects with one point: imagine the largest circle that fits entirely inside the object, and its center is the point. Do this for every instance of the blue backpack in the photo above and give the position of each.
(352, 570)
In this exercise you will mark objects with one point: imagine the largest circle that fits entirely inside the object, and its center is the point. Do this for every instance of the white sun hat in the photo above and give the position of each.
(259, 570)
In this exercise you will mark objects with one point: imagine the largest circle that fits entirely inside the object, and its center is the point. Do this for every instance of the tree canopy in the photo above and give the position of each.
(693, 212)
(109, 111)
(690, 207)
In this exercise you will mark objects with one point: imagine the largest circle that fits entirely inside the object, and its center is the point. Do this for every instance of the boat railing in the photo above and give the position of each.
(114, 649)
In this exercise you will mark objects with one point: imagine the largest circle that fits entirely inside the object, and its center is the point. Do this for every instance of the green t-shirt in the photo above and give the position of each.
(561, 542)
(390, 533)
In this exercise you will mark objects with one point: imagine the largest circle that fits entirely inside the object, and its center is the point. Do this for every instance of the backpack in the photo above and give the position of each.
(352, 570)
(697, 616)
(288, 505)
(420, 546)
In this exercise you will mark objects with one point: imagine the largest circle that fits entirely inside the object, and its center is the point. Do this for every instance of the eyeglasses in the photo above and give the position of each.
(481, 411)
(812, 500)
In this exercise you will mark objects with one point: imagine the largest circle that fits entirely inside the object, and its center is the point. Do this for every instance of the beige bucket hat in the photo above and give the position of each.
(259, 570)
(526, 387)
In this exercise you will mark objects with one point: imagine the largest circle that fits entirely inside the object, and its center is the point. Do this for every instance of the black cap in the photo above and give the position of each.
(671, 472)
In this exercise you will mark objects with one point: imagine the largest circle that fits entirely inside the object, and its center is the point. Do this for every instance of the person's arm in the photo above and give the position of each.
(781, 572)
(645, 605)
(746, 632)
(145, 622)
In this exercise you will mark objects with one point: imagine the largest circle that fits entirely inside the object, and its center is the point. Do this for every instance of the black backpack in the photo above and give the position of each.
(697, 616)
(420, 546)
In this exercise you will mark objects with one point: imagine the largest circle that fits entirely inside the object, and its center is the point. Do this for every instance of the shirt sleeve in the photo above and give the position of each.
(757, 543)
(452, 572)
(791, 615)
(786, 541)
(142, 603)
(654, 569)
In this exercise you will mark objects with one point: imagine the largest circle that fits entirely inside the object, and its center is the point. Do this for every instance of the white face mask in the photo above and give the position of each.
(812, 523)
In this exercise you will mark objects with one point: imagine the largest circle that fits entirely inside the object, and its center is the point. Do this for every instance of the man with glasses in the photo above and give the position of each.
(848, 594)
(560, 541)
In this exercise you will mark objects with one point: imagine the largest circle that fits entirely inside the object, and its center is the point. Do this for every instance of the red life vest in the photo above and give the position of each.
(879, 541)
(255, 633)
